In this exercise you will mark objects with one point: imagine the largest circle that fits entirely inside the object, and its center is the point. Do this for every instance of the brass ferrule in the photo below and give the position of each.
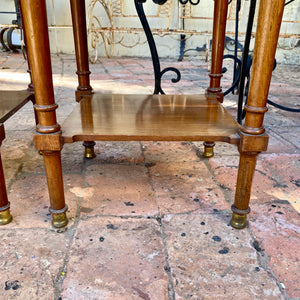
(238, 221)
(89, 153)
(208, 149)
(59, 220)
(5, 217)
(89, 150)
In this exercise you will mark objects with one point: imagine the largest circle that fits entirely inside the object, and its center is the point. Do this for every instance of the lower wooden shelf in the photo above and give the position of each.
(12, 101)
(103, 117)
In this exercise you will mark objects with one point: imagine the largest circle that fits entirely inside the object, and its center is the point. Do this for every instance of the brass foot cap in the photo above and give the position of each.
(89, 153)
(59, 220)
(208, 152)
(5, 217)
(238, 221)
(208, 149)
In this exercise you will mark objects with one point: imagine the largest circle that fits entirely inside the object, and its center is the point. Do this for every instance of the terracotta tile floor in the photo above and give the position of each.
(150, 220)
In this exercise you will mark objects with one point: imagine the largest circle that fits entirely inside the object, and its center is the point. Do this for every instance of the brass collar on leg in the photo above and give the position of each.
(59, 217)
(5, 217)
(208, 149)
(238, 221)
(239, 217)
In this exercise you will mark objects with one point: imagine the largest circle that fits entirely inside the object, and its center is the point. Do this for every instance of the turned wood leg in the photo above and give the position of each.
(48, 134)
(81, 50)
(58, 207)
(241, 208)
(218, 41)
(5, 216)
(253, 137)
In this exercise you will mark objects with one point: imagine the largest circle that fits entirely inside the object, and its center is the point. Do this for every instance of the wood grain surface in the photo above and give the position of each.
(11, 102)
(150, 117)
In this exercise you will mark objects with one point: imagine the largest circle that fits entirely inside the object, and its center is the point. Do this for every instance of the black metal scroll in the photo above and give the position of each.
(241, 76)
(190, 1)
(155, 58)
(10, 46)
(246, 64)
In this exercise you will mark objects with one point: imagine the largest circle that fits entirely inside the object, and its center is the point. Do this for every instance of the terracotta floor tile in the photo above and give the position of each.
(122, 194)
(284, 169)
(276, 225)
(31, 261)
(184, 187)
(265, 185)
(119, 152)
(220, 149)
(22, 120)
(115, 189)
(289, 134)
(205, 260)
(169, 152)
(277, 144)
(113, 258)
(30, 205)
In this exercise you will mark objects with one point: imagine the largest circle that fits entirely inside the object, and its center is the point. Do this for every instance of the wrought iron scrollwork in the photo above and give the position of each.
(160, 2)
(183, 2)
(16, 24)
(95, 35)
(236, 80)
(241, 76)
(158, 73)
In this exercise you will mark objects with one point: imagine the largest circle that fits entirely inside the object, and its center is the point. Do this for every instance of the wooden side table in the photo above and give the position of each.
(153, 117)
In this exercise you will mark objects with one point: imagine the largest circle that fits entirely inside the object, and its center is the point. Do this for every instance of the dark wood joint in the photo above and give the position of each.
(215, 88)
(253, 143)
(81, 94)
(215, 92)
(48, 142)
(2, 133)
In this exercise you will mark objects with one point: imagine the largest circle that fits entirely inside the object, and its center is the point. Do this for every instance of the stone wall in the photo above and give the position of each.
(123, 36)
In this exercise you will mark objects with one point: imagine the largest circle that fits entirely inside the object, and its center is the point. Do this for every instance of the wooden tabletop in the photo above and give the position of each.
(11, 102)
(150, 117)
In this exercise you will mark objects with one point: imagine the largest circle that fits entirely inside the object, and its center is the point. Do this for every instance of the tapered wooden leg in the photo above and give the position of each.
(219, 26)
(48, 134)
(81, 50)
(253, 137)
(58, 207)
(241, 208)
(5, 216)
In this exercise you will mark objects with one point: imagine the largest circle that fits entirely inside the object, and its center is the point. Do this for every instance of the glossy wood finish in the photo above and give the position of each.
(81, 47)
(219, 27)
(142, 117)
(253, 139)
(150, 117)
(12, 101)
(268, 27)
(82, 60)
(3, 194)
(35, 24)
(218, 41)
(30, 85)
(5, 216)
